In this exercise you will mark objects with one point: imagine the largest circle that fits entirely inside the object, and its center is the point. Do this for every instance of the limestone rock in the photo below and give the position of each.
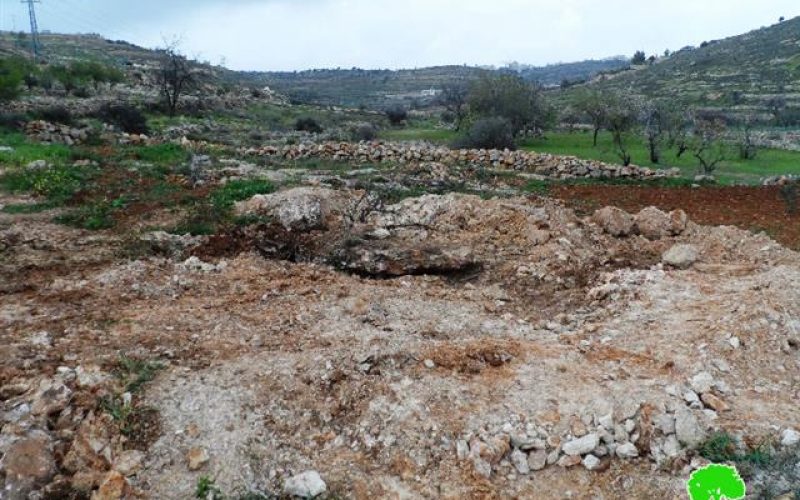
(51, 397)
(129, 462)
(197, 458)
(681, 256)
(714, 402)
(702, 382)
(114, 487)
(386, 259)
(790, 437)
(627, 450)
(614, 221)
(652, 223)
(520, 461)
(300, 209)
(306, 485)
(27, 464)
(591, 462)
(688, 429)
(537, 460)
(581, 446)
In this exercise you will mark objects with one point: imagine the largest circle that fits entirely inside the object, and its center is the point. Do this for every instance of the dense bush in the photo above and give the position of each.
(308, 124)
(126, 117)
(363, 132)
(12, 121)
(489, 133)
(55, 114)
(12, 73)
(396, 114)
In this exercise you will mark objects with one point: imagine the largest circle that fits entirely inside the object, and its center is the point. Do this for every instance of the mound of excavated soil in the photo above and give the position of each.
(443, 347)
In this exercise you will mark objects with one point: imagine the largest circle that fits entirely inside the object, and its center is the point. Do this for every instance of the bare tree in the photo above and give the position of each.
(623, 111)
(678, 125)
(707, 145)
(595, 106)
(654, 122)
(454, 99)
(776, 106)
(747, 145)
(175, 76)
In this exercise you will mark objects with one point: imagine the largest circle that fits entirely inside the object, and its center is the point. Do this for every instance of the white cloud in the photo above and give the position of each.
(298, 34)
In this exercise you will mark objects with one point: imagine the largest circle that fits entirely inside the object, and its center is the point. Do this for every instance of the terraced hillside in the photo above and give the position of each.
(377, 88)
(741, 72)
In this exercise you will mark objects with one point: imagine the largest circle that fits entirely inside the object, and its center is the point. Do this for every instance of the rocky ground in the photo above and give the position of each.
(441, 347)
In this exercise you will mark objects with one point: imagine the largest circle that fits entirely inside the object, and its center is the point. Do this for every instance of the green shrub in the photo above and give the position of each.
(126, 117)
(489, 133)
(55, 114)
(363, 132)
(161, 154)
(396, 114)
(12, 74)
(308, 124)
(93, 217)
(225, 196)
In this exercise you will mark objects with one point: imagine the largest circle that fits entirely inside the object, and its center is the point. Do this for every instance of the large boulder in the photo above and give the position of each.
(654, 224)
(299, 210)
(614, 221)
(391, 258)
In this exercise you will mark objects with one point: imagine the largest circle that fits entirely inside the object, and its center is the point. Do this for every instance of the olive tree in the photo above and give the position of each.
(509, 96)
(707, 145)
(623, 116)
(594, 105)
(454, 99)
(661, 125)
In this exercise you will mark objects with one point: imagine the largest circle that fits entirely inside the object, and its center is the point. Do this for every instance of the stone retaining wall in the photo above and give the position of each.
(562, 167)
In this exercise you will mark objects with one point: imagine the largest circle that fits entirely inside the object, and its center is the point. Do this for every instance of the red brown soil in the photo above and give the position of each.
(751, 208)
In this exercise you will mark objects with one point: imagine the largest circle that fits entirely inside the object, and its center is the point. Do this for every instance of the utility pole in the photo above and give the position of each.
(35, 44)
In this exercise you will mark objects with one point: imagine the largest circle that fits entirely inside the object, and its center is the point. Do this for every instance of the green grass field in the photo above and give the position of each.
(437, 136)
(732, 170)
(768, 161)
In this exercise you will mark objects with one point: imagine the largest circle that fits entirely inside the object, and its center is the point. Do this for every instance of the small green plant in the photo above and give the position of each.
(540, 188)
(94, 217)
(134, 373)
(225, 196)
(161, 154)
(121, 411)
(207, 489)
(721, 448)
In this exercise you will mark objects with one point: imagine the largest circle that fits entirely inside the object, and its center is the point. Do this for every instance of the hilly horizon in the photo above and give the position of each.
(737, 72)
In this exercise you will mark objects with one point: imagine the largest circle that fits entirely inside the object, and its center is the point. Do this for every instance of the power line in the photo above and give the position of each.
(35, 43)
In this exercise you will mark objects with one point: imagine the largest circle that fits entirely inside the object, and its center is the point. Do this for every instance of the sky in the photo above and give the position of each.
(273, 35)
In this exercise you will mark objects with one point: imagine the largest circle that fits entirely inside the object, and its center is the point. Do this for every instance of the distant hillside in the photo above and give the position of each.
(556, 74)
(59, 48)
(357, 87)
(377, 88)
(741, 72)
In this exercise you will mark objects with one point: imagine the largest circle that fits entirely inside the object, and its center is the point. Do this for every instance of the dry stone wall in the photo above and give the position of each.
(561, 167)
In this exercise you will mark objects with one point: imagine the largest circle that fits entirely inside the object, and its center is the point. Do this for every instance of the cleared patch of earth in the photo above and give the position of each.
(394, 383)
